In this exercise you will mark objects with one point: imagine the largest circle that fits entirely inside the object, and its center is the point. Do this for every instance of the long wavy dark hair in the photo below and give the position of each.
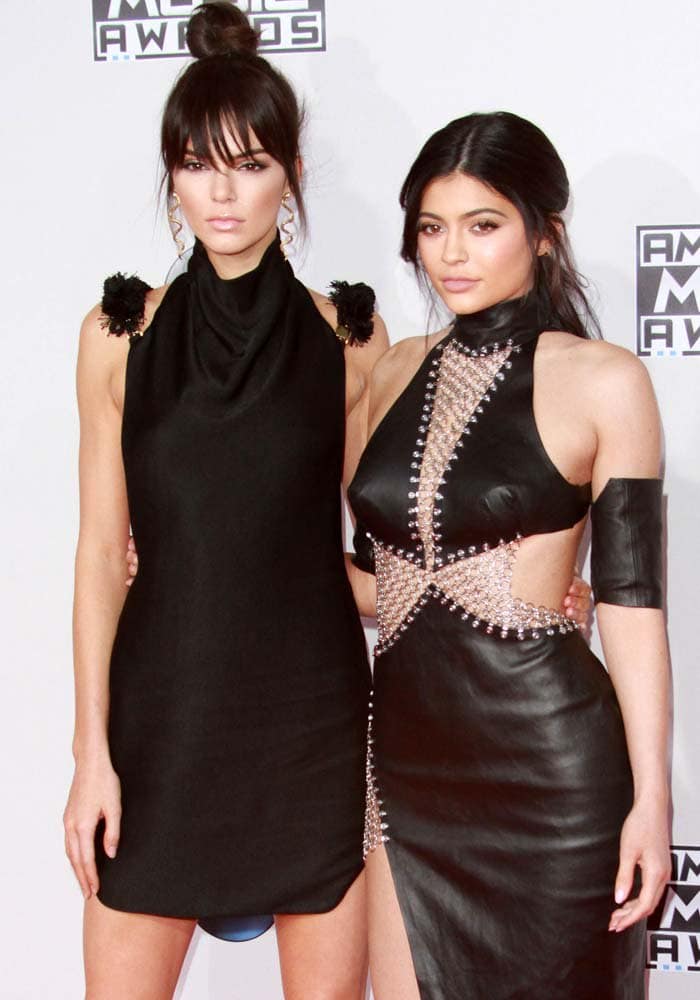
(230, 88)
(516, 159)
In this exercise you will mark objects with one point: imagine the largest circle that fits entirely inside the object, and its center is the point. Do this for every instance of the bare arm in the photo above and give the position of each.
(634, 642)
(364, 585)
(360, 362)
(99, 595)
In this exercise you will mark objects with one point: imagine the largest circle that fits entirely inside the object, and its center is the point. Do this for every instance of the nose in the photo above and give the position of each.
(223, 186)
(454, 247)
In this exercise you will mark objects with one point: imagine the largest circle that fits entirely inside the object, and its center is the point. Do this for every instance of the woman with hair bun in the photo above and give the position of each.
(517, 791)
(221, 712)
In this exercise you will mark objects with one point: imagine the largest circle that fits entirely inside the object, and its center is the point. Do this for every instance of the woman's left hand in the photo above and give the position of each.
(577, 603)
(644, 841)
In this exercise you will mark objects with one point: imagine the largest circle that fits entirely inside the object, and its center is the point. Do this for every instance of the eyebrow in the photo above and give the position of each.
(239, 156)
(465, 215)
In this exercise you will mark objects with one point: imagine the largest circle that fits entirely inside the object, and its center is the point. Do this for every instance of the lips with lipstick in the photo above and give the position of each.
(225, 223)
(457, 285)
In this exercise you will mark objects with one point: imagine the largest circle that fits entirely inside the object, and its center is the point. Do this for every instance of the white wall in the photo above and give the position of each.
(615, 85)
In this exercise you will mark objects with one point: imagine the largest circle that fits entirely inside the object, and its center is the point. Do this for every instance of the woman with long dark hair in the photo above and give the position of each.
(516, 790)
(221, 713)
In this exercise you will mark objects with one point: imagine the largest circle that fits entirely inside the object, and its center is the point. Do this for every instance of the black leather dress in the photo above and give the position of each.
(239, 675)
(498, 771)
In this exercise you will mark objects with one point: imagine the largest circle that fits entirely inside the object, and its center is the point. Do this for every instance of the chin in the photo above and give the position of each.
(462, 303)
(234, 243)
(226, 243)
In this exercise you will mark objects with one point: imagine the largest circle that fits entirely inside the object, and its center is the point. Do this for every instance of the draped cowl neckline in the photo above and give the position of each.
(238, 326)
(240, 310)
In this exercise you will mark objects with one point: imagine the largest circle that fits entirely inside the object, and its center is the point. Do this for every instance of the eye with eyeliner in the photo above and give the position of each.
(483, 226)
(480, 227)
(193, 165)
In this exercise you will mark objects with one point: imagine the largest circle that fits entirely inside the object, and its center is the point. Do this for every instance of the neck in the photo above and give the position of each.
(235, 265)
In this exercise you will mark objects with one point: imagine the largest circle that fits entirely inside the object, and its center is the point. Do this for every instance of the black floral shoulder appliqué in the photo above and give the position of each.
(124, 305)
(355, 305)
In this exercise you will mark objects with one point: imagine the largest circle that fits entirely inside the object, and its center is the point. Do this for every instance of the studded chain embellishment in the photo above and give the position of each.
(375, 824)
(478, 586)
(461, 382)
(456, 404)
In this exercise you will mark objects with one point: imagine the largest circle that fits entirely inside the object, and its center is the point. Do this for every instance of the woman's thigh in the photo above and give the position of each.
(390, 962)
(132, 955)
(323, 956)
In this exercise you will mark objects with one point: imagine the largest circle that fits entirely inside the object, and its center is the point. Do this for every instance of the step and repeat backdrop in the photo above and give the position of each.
(616, 87)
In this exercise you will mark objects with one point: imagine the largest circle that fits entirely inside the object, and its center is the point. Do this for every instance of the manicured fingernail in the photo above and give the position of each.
(619, 895)
(111, 851)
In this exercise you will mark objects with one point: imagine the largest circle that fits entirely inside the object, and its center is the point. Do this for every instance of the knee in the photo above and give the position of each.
(356, 991)
(351, 986)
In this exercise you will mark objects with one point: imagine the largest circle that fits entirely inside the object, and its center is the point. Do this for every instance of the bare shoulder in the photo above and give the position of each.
(604, 362)
(393, 372)
(617, 395)
(402, 359)
(96, 322)
(97, 345)
(611, 378)
(599, 354)
(616, 374)
(100, 352)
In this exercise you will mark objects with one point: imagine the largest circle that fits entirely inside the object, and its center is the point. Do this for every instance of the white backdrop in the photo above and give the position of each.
(615, 85)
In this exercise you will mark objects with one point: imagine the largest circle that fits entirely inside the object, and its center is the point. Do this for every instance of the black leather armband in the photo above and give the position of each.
(363, 557)
(626, 558)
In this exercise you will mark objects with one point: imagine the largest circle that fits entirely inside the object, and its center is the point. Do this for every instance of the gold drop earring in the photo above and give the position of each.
(287, 234)
(175, 222)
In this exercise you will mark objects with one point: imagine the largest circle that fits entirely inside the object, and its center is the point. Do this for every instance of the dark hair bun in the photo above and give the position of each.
(220, 29)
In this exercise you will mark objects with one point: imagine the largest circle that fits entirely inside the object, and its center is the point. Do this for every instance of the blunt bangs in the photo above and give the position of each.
(224, 98)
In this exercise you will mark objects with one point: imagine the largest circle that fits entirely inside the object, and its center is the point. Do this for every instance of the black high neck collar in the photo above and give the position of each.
(507, 323)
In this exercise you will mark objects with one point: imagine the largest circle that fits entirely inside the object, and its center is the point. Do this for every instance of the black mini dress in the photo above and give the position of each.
(498, 774)
(239, 675)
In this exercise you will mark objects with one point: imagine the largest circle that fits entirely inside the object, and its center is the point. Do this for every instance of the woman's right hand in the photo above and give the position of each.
(132, 561)
(95, 794)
